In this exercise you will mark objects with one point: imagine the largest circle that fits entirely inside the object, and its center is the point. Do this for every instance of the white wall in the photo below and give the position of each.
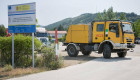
(58, 35)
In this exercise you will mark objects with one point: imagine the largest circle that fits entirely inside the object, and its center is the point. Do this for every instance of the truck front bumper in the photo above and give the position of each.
(124, 46)
(131, 45)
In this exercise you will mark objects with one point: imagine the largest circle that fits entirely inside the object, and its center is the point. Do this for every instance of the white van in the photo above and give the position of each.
(44, 40)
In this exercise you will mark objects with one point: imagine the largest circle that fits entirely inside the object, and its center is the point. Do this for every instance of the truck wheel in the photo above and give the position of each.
(86, 52)
(107, 51)
(121, 54)
(72, 52)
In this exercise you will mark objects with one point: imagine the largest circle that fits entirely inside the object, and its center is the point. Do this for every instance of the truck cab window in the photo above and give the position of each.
(112, 27)
(100, 27)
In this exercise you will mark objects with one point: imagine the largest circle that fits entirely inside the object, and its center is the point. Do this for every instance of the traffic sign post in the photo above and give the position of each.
(33, 49)
(22, 19)
(13, 50)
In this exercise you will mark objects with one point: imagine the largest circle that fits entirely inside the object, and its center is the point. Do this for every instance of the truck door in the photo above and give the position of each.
(98, 32)
(112, 32)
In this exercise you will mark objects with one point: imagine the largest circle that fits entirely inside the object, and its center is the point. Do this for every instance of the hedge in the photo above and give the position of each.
(22, 50)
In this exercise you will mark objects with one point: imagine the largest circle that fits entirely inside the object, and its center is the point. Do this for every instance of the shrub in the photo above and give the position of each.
(7, 67)
(22, 50)
(2, 30)
(38, 61)
(48, 59)
(62, 39)
(50, 38)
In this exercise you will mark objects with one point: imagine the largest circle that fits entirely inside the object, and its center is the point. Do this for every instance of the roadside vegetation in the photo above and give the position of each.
(137, 28)
(2, 30)
(110, 15)
(62, 39)
(45, 58)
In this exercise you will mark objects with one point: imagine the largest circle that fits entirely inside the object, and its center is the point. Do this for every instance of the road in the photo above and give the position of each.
(96, 69)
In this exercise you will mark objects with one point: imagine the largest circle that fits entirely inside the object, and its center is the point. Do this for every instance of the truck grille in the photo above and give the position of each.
(129, 40)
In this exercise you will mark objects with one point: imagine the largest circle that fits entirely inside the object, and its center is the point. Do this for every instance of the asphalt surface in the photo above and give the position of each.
(127, 68)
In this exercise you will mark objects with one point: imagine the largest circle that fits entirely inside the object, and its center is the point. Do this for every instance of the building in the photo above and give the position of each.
(60, 34)
(41, 32)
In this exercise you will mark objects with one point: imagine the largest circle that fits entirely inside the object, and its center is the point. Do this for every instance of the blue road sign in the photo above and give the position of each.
(22, 18)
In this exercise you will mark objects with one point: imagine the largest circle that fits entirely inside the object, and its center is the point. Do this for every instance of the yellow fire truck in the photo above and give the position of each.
(101, 36)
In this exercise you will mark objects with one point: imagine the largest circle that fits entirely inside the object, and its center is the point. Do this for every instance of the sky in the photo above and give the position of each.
(50, 11)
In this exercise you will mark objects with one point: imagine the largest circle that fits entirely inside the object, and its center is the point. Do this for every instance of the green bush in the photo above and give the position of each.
(22, 50)
(137, 28)
(2, 30)
(62, 39)
(38, 61)
(48, 59)
(7, 67)
(50, 38)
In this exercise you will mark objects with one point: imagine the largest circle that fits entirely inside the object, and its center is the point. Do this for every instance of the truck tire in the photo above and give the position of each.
(72, 52)
(121, 54)
(86, 52)
(107, 51)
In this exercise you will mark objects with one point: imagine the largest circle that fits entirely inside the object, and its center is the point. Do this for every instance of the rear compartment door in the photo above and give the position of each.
(79, 34)
(98, 32)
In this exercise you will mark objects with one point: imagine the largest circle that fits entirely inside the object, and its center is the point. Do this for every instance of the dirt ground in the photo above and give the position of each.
(68, 61)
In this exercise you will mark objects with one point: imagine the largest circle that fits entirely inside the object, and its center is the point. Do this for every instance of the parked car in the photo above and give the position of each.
(44, 40)
(53, 40)
(137, 40)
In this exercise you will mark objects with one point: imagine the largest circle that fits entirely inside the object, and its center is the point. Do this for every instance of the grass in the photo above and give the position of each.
(19, 72)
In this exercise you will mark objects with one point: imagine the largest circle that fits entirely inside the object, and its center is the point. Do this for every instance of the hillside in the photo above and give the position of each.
(84, 19)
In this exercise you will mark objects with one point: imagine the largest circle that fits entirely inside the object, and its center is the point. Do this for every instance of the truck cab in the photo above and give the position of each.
(119, 33)
(102, 36)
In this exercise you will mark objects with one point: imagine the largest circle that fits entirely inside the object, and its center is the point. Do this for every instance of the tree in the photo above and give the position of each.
(60, 28)
(110, 14)
(122, 16)
(37, 23)
(137, 28)
(2, 31)
(99, 17)
(50, 38)
(107, 15)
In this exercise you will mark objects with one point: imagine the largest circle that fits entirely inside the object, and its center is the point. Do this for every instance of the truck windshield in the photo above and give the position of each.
(127, 28)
